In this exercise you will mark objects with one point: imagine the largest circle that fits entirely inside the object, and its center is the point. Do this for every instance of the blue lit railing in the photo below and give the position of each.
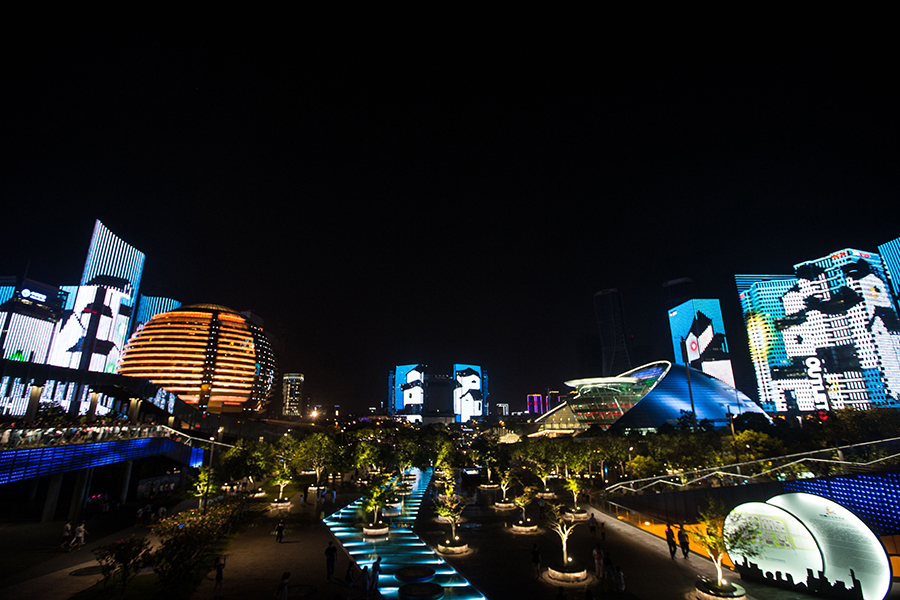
(16, 465)
(401, 548)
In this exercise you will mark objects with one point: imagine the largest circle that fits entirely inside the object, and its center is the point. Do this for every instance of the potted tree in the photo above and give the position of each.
(717, 538)
(567, 570)
(376, 499)
(450, 509)
(524, 525)
(507, 480)
(574, 486)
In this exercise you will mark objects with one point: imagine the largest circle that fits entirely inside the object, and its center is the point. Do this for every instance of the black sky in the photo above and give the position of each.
(385, 198)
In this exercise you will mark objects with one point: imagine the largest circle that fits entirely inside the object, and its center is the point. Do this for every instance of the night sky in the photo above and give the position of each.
(446, 196)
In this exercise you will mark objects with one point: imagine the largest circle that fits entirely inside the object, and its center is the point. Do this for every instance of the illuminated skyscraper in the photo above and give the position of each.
(292, 392)
(613, 335)
(111, 258)
(418, 395)
(698, 324)
(829, 337)
(890, 257)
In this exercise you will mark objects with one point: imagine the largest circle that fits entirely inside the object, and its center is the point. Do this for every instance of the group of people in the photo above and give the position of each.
(367, 578)
(683, 541)
(609, 575)
(13, 437)
(147, 516)
(73, 540)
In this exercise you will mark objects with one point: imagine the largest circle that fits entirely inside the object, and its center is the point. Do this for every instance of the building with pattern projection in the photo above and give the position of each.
(826, 337)
(210, 356)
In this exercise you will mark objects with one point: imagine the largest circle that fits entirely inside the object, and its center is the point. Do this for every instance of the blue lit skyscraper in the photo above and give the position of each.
(700, 325)
(111, 258)
(890, 257)
(150, 306)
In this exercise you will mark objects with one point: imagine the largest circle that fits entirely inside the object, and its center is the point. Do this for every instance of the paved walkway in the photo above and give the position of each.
(499, 564)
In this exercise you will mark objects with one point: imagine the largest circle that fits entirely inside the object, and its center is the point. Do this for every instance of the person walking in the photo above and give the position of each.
(78, 540)
(592, 525)
(279, 531)
(66, 534)
(684, 542)
(349, 577)
(283, 586)
(219, 566)
(670, 539)
(598, 562)
(535, 562)
(366, 580)
(330, 555)
(620, 580)
(602, 531)
(376, 571)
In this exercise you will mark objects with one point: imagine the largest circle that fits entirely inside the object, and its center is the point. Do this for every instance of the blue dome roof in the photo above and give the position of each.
(713, 400)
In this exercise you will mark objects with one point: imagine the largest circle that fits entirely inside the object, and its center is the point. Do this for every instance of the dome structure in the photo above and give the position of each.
(210, 356)
(654, 394)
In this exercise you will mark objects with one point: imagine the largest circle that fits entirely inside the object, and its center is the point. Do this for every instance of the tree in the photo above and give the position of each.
(285, 456)
(451, 508)
(644, 466)
(718, 538)
(123, 558)
(507, 480)
(247, 459)
(377, 497)
(562, 528)
(524, 500)
(575, 486)
(317, 452)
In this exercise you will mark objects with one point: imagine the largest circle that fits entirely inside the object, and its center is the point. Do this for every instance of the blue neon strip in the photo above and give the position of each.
(402, 548)
(16, 465)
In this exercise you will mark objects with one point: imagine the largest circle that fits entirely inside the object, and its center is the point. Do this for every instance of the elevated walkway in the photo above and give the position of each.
(18, 465)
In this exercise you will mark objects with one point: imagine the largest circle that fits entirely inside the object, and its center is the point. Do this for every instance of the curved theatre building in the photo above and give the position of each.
(210, 356)
(648, 397)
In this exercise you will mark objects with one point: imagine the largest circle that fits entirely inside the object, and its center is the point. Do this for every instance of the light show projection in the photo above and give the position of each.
(699, 323)
(92, 335)
(827, 339)
(815, 544)
(409, 386)
(467, 393)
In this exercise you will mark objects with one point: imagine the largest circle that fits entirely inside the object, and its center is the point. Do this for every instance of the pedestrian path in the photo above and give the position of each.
(401, 548)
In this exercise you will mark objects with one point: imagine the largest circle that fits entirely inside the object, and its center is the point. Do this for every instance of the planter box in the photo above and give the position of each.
(453, 548)
(526, 527)
(376, 530)
(504, 505)
(568, 573)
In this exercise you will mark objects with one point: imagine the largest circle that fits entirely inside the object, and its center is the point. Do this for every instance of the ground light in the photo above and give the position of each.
(400, 549)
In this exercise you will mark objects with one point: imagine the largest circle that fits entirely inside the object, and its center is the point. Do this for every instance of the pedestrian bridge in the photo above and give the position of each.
(26, 463)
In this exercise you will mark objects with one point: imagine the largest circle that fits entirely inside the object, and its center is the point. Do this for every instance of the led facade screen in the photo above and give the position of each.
(98, 323)
(409, 386)
(815, 543)
(699, 323)
(828, 338)
(467, 393)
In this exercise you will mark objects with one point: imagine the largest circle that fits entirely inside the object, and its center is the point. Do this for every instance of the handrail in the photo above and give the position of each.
(637, 485)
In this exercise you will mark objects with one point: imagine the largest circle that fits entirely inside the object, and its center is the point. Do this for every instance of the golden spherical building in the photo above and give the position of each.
(210, 356)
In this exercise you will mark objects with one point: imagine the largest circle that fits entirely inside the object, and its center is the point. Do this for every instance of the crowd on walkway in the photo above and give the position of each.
(15, 437)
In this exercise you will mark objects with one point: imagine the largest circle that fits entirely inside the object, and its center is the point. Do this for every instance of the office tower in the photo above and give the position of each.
(890, 258)
(292, 393)
(468, 400)
(534, 404)
(698, 331)
(211, 356)
(826, 338)
(110, 261)
(29, 313)
(150, 306)
(613, 335)
(417, 395)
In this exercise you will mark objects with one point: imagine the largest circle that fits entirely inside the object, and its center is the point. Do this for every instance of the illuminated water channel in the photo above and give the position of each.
(400, 548)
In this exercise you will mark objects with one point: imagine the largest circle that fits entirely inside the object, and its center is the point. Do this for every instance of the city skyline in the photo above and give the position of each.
(377, 209)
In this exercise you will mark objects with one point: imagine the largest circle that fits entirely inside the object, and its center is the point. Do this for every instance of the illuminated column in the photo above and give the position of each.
(134, 408)
(34, 401)
(92, 411)
(125, 478)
